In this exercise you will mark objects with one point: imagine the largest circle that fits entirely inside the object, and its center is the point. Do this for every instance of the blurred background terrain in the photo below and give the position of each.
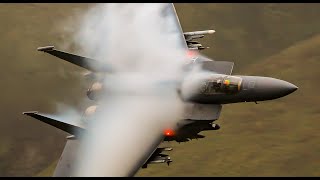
(272, 138)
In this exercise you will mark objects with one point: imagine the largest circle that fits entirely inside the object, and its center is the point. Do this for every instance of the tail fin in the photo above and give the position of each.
(73, 129)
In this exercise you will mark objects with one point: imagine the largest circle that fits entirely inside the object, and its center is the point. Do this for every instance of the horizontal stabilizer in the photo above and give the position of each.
(67, 161)
(84, 62)
(69, 128)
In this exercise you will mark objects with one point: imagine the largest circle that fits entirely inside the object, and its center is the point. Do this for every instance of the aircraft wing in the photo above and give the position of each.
(73, 128)
(174, 23)
(169, 13)
(66, 163)
(84, 62)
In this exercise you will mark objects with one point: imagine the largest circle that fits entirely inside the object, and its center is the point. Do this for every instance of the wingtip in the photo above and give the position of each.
(45, 48)
(29, 112)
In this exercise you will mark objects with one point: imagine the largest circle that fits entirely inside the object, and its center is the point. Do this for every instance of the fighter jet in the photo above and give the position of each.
(203, 103)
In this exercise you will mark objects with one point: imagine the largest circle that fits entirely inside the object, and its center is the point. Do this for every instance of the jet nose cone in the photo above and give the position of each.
(290, 88)
(283, 88)
(271, 88)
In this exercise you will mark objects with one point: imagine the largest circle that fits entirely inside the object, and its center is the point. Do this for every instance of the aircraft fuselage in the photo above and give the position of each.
(225, 89)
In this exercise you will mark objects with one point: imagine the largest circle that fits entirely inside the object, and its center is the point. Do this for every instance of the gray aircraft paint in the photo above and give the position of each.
(197, 118)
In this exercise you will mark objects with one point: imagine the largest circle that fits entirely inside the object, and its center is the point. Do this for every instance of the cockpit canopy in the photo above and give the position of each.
(222, 84)
(231, 84)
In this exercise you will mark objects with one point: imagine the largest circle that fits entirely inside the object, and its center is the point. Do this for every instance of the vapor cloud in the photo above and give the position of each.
(142, 45)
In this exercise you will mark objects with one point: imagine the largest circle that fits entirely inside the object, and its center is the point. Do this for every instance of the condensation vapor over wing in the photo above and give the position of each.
(173, 22)
(145, 44)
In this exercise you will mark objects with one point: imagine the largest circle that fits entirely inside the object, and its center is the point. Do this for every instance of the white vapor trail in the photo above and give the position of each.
(142, 46)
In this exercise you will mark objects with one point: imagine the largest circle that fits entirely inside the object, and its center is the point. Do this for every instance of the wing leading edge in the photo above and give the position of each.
(174, 23)
(84, 62)
(71, 128)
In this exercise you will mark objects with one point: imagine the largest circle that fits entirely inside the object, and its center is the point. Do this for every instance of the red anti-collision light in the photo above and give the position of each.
(168, 132)
(191, 54)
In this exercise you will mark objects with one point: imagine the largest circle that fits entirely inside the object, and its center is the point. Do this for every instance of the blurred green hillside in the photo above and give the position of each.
(273, 138)
(249, 32)
(32, 81)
